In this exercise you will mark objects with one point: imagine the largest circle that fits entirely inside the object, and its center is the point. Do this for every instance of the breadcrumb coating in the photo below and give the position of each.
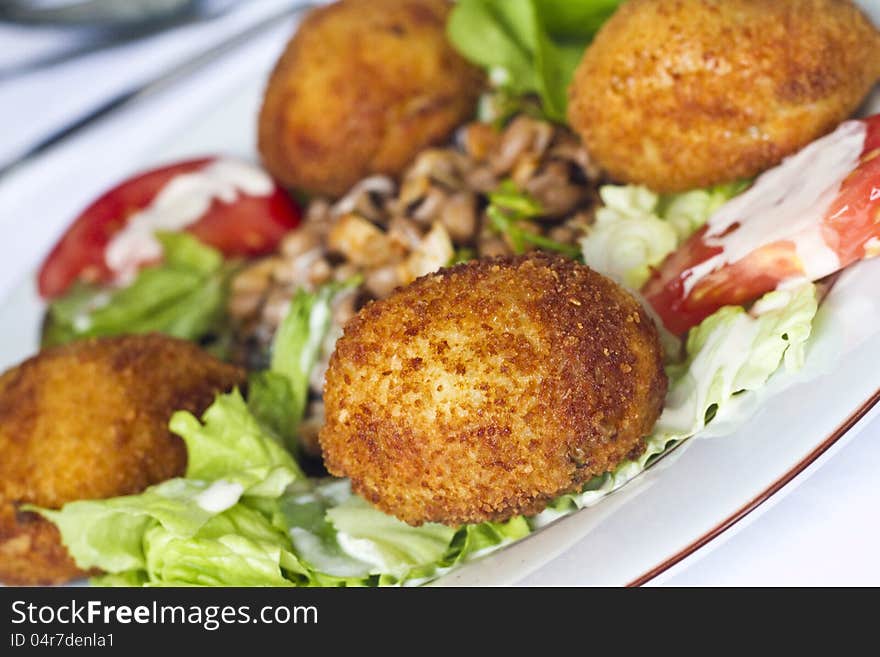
(486, 390)
(89, 420)
(362, 87)
(683, 94)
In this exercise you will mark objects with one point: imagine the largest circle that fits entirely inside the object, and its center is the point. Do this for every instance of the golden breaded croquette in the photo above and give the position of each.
(361, 88)
(89, 420)
(686, 94)
(486, 390)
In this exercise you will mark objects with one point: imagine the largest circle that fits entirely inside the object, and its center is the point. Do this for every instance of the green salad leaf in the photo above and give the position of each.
(229, 444)
(297, 344)
(238, 547)
(278, 396)
(529, 46)
(109, 534)
(304, 514)
(576, 19)
(687, 212)
(184, 296)
(628, 237)
(392, 547)
(733, 351)
(346, 541)
(270, 400)
(496, 35)
(636, 229)
(511, 210)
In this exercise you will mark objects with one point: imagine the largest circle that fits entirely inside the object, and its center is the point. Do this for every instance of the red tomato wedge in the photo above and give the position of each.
(248, 226)
(717, 267)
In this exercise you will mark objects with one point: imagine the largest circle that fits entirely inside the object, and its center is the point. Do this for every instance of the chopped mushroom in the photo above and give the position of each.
(360, 241)
(390, 232)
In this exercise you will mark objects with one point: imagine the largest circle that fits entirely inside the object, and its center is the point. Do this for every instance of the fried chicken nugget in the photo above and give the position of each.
(362, 87)
(486, 390)
(89, 420)
(685, 94)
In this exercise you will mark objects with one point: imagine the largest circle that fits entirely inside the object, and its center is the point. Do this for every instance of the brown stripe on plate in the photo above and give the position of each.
(774, 488)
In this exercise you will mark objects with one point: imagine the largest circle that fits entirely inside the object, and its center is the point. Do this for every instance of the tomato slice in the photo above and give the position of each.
(249, 226)
(849, 229)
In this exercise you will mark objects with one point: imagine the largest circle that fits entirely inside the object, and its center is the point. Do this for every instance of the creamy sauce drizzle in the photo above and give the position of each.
(787, 203)
(179, 204)
(219, 496)
(363, 550)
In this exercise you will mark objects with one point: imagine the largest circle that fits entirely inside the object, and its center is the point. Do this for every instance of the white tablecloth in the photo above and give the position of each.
(823, 533)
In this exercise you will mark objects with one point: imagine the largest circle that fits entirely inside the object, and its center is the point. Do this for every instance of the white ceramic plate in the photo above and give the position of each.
(704, 488)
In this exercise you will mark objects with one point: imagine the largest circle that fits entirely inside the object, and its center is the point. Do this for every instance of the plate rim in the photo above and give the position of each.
(752, 505)
(723, 526)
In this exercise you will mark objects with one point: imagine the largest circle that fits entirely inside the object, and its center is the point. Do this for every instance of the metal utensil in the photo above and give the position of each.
(94, 26)
(130, 14)
(155, 85)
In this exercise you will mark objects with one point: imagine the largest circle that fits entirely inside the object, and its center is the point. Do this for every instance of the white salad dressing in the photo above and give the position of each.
(82, 322)
(319, 319)
(309, 547)
(770, 302)
(787, 203)
(364, 550)
(219, 496)
(179, 204)
(792, 283)
(688, 400)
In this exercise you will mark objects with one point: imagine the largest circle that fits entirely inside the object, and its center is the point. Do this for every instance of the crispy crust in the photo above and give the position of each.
(88, 421)
(486, 390)
(360, 89)
(687, 93)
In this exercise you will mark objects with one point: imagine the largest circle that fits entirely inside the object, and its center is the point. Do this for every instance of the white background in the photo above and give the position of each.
(825, 532)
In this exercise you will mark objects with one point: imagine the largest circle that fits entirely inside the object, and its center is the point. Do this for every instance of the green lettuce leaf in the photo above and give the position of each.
(473, 540)
(304, 514)
(575, 19)
(270, 400)
(529, 46)
(231, 445)
(636, 229)
(628, 237)
(733, 351)
(239, 547)
(185, 296)
(688, 212)
(278, 396)
(510, 210)
(345, 541)
(108, 534)
(390, 546)
(497, 36)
